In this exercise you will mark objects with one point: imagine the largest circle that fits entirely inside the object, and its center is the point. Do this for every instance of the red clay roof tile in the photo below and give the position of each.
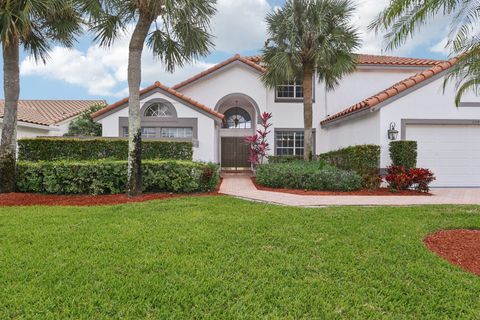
(49, 112)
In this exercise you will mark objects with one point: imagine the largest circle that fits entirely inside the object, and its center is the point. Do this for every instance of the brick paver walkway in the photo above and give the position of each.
(240, 185)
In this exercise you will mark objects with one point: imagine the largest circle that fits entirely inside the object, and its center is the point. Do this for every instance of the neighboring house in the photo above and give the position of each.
(47, 117)
(384, 91)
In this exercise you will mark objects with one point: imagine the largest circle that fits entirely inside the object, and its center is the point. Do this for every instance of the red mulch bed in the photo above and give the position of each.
(459, 247)
(364, 192)
(34, 199)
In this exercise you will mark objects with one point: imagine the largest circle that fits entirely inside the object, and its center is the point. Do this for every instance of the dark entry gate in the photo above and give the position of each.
(234, 153)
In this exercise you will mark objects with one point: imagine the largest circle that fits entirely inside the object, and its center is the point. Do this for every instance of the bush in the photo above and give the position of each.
(55, 149)
(403, 154)
(84, 125)
(110, 177)
(284, 159)
(307, 176)
(363, 159)
(398, 178)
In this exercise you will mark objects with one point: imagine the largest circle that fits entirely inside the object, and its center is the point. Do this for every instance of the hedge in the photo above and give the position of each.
(403, 154)
(363, 159)
(307, 176)
(54, 149)
(284, 159)
(110, 177)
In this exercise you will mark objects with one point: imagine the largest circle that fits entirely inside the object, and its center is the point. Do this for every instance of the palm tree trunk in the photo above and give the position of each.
(134, 119)
(8, 144)
(308, 111)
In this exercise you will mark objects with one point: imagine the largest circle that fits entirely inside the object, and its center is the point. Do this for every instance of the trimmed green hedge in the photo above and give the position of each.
(307, 176)
(110, 177)
(48, 149)
(404, 154)
(284, 159)
(363, 159)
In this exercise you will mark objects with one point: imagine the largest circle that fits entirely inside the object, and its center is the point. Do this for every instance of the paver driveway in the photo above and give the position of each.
(240, 185)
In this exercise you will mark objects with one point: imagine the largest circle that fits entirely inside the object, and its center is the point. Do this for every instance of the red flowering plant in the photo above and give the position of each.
(400, 179)
(258, 142)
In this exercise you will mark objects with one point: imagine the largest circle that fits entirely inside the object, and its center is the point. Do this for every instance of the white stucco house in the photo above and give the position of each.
(47, 117)
(218, 107)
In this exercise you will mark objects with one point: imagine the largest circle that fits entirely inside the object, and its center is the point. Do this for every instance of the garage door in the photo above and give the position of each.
(452, 152)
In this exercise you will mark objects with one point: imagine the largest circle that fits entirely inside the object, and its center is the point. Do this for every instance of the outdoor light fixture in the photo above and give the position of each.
(392, 132)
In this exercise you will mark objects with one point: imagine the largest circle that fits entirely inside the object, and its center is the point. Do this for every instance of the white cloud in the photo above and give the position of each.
(101, 71)
(239, 25)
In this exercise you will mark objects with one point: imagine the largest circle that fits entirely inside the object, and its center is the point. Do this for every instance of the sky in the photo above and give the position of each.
(88, 71)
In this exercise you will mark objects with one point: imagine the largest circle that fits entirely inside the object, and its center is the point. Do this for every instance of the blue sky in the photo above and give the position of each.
(89, 72)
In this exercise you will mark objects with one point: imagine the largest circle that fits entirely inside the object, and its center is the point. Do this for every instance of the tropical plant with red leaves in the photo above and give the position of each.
(258, 142)
(400, 179)
(421, 179)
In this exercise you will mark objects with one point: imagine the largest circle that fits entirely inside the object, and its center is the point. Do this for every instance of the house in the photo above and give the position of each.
(218, 107)
(47, 117)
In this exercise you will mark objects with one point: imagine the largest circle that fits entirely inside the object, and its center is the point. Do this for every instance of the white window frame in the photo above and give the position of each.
(294, 148)
(187, 132)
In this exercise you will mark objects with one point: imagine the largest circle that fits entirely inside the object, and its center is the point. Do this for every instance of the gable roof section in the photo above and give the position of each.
(219, 66)
(370, 59)
(50, 112)
(393, 91)
(172, 92)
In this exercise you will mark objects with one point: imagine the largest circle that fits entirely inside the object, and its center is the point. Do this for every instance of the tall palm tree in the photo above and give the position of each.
(33, 25)
(308, 37)
(404, 17)
(180, 34)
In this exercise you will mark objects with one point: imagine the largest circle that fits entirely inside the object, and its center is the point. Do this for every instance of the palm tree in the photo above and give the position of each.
(180, 34)
(308, 37)
(33, 25)
(404, 17)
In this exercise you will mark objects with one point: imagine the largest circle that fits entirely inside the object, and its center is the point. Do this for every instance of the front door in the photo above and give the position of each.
(234, 153)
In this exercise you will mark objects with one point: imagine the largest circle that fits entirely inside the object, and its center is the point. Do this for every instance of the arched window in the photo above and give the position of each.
(159, 110)
(237, 118)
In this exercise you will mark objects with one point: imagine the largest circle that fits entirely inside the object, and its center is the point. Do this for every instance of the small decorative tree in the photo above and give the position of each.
(84, 124)
(259, 145)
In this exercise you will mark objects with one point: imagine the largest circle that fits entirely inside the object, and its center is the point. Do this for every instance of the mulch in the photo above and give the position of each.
(363, 192)
(34, 199)
(459, 247)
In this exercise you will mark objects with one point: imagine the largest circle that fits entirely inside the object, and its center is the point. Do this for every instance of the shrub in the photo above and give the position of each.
(48, 149)
(403, 154)
(110, 177)
(284, 159)
(84, 125)
(307, 176)
(363, 159)
(400, 179)
(421, 179)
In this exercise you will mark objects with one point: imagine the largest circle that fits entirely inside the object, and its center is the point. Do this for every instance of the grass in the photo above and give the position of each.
(223, 258)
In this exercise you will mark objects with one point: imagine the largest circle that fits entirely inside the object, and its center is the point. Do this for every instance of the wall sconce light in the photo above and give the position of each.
(392, 132)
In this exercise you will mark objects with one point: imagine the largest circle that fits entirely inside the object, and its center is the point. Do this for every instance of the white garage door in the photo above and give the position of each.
(452, 152)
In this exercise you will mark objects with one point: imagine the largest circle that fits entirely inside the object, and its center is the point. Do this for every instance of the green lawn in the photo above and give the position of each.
(218, 257)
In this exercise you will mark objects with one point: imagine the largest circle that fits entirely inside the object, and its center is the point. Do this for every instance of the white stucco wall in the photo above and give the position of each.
(362, 130)
(206, 150)
(236, 78)
(362, 84)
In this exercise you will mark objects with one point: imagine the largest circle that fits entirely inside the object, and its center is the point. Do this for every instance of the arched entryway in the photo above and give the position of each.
(241, 116)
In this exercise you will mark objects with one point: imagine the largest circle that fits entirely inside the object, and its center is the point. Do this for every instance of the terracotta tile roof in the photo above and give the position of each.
(393, 90)
(49, 112)
(237, 57)
(158, 85)
(370, 59)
